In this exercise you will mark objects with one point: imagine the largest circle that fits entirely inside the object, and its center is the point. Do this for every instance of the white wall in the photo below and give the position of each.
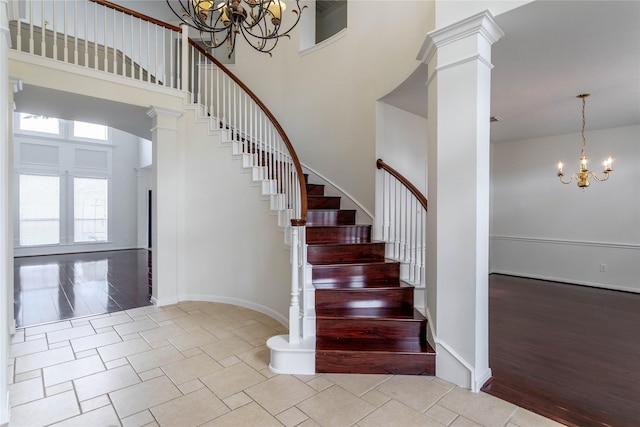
(234, 251)
(401, 143)
(450, 11)
(326, 99)
(541, 228)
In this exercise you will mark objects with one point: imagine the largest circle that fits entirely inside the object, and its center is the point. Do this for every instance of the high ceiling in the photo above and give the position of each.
(553, 51)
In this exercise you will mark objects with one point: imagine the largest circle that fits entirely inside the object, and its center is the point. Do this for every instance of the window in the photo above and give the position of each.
(90, 209)
(90, 131)
(331, 18)
(35, 123)
(39, 210)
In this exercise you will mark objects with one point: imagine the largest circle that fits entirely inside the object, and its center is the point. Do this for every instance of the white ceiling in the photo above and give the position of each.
(553, 51)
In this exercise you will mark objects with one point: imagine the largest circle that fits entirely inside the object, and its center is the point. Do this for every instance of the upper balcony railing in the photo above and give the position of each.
(103, 36)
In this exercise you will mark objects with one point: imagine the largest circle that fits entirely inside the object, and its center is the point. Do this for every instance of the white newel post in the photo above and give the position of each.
(165, 200)
(459, 88)
(294, 306)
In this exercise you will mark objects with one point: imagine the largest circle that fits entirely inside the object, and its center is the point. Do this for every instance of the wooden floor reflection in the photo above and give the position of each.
(57, 287)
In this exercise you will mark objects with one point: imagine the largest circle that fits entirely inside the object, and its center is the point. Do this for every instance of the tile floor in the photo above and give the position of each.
(206, 364)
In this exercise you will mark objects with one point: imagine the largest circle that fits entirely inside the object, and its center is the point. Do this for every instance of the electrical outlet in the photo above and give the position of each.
(603, 268)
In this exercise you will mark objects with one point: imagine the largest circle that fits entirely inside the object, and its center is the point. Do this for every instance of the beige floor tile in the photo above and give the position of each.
(237, 400)
(292, 417)
(28, 347)
(115, 319)
(105, 416)
(232, 380)
(441, 414)
(141, 396)
(138, 326)
(18, 337)
(524, 418)
(142, 311)
(150, 374)
(26, 391)
(188, 341)
(191, 386)
(393, 413)
(58, 388)
(42, 329)
(257, 358)
(123, 349)
(230, 361)
(155, 358)
(116, 363)
(193, 409)
(168, 314)
(104, 382)
(319, 383)
(45, 411)
(357, 384)
(43, 359)
(86, 353)
(59, 344)
(478, 407)
(336, 407)
(37, 373)
(417, 392)
(256, 330)
(309, 423)
(95, 403)
(280, 393)
(227, 347)
(248, 415)
(93, 341)
(464, 422)
(376, 398)
(71, 370)
(191, 368)
(162, 333)
(142, 418)
(70, 333)
(192, 352)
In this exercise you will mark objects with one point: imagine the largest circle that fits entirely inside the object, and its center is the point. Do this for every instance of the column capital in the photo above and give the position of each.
(481, 24)
(164, 118)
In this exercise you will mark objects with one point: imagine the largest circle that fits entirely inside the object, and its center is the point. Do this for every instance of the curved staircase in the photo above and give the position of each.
(365, 319)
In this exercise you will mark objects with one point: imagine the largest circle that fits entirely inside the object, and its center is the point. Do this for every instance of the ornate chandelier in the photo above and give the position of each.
(222, 20)
(583, 175)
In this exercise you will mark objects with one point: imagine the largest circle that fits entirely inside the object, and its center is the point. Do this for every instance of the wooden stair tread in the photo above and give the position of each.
(386, 346)
(364, 284)
(380, 313)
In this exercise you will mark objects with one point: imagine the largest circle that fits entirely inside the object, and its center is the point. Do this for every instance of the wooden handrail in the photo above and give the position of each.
(137, 15)
(380, 164)
(294, 157)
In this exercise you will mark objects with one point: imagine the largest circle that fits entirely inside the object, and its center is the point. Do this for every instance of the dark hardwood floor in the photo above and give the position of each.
(568, 352)
(58, 287)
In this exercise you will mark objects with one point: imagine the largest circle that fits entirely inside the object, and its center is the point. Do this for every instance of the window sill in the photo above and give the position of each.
(334, 38)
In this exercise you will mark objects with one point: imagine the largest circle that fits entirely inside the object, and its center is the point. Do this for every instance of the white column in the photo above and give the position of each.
(459, 89)
(165, 178)
(7, 87)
